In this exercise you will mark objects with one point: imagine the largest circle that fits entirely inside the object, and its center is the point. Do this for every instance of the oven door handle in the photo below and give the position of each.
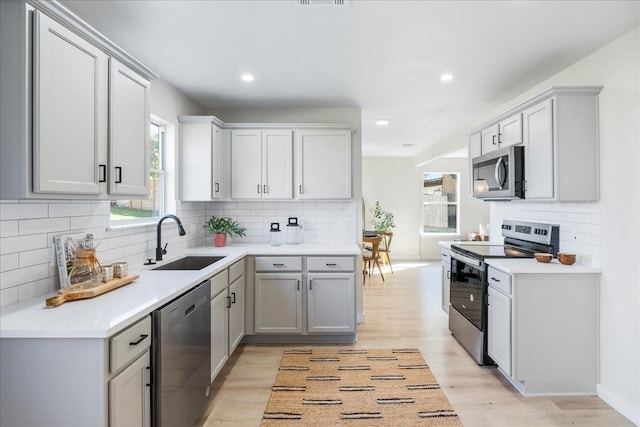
(467, 260)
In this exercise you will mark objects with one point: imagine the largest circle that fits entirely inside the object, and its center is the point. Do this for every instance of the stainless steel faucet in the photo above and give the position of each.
(159, 249)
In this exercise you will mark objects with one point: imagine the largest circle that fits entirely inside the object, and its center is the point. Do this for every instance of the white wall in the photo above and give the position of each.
(27, 262)
(472, 212)
(395, 183)
(603, 233)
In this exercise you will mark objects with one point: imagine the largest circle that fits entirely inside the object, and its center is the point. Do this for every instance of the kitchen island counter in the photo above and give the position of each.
(104, 315)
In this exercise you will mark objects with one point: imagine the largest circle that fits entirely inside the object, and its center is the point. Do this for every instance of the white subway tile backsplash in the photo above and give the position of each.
(8, 296)
(579, 224)
(23, 275)
(9, 262)
(69, 209)
(23, 210)
(8, 228)
(43, 225)
(27, 257)
(9, 245)
(34, 257)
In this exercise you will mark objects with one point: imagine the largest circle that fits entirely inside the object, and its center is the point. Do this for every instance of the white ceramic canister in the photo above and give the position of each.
(275, 236)
(293, 231)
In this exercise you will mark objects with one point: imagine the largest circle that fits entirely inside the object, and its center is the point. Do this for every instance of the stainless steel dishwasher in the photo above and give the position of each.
(181, 365)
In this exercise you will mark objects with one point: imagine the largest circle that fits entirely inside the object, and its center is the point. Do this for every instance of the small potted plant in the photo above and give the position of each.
(382, 221)
(221, 227)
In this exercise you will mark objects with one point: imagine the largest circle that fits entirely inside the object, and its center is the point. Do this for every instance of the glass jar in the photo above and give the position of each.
(86, 271)
(275, 236)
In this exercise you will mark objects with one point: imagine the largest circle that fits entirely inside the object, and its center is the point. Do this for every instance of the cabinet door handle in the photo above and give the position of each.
(228, 302)
(118, 174)
(234, 297)
(495, 280)
(278, 264)
(310, 285)
(217, 186)
(142, 338)
(258, 189)
(149, 376)
(331, 264)
(264, 188)
(298, 284)
(500, 138)
(493, 139)
(300, 186)
(103, 173)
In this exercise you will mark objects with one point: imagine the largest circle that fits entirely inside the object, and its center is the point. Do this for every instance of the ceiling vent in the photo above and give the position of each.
(322, 2)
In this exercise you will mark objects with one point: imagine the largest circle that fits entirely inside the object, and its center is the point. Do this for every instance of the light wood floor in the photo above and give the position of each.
(405, 311)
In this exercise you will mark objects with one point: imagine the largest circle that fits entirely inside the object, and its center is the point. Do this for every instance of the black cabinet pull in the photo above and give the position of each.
(499, 138)
(217, 188)
(495, 280)
(278, 264)
(301, 192)
(264, 188)
(149, 376)
(118, 174)
(331, 264)
(234, 297)
(142, 337)
(258, 189)
(228, 302)
(103, 173)
(310, 285)
(298, 284)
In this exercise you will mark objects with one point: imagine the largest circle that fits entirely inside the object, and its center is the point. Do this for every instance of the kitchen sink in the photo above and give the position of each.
(190, 263)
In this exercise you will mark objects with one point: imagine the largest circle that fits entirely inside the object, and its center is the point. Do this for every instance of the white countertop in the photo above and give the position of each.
(531, 266)
(106, 314)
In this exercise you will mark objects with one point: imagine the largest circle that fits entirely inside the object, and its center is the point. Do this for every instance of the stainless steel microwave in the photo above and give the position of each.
(499, 175)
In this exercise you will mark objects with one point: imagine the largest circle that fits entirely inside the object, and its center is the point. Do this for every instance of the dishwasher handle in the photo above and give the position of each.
(189, 310)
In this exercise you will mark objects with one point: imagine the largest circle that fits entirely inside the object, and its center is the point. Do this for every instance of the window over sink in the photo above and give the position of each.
(133, 212)
(440, 202)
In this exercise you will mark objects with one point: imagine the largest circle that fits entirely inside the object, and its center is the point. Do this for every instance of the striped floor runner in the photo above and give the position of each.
(391, 387)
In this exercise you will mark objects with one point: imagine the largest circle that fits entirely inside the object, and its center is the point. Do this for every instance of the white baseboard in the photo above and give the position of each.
(625, 408)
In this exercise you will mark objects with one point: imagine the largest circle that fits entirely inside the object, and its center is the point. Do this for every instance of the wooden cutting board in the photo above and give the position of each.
(66, 294)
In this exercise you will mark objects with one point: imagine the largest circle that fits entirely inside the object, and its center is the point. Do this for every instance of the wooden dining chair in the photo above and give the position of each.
(385, 248)
(370, 255)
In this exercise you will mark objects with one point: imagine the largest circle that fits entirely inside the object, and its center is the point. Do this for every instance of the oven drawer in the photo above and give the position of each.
(499, 280)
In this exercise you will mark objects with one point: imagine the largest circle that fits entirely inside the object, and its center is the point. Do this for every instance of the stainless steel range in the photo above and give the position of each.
(469, 282)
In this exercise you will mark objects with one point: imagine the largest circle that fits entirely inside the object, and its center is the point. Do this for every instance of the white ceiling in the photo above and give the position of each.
(383, 56)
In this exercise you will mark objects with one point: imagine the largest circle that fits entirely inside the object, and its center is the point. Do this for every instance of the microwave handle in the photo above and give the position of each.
(499, 181)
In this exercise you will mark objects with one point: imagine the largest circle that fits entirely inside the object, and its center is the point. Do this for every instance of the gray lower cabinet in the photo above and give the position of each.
(278, 308)
(445, 277)
(227, 314)
(77, 381)
(297, 295)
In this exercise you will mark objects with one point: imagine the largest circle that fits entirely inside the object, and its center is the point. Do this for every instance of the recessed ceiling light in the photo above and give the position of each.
(247, 77)
(382, 122)
(446, 77)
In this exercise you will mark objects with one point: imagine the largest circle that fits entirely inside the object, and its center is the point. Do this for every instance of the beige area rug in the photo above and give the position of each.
(391, 387)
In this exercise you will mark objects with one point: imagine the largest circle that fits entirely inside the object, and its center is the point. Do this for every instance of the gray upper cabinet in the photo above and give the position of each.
(70, 110)
(128, 131)
(199, 159)
(559, 130)
(75, 109)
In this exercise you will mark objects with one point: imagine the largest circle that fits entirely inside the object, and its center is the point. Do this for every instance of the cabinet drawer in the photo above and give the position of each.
(499, 280)
(236, 271)
(445, 255)
(128, 344)
(330, 264)
(273, 263)
(219, 282)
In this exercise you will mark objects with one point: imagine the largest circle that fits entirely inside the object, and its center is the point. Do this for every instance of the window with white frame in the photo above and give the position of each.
(151, 209)
(440, 202)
